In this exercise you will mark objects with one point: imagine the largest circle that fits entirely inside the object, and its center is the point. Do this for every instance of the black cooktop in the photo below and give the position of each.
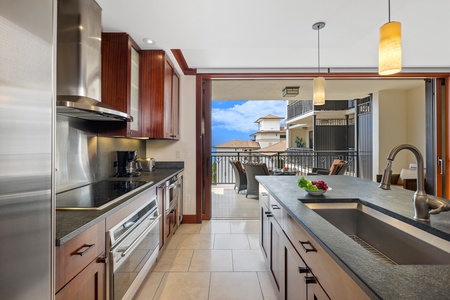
(96, 195)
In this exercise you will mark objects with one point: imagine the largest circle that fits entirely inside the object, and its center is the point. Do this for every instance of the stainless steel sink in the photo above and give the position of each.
(388, 239)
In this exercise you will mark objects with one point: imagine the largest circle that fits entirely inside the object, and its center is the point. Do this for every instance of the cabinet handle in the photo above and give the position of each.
(103, 260)
(302, 270)
(310, 279)
(86, 248)
(274, 206)
(308, 249)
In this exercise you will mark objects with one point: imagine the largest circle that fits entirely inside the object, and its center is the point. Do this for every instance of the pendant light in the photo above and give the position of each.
(390, 47)
(319, 82)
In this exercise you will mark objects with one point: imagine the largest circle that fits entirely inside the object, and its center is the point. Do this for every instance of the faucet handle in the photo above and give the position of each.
(437, 206)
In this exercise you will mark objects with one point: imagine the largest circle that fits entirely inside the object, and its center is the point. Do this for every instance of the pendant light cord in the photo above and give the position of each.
(389, 10)
(318, 51)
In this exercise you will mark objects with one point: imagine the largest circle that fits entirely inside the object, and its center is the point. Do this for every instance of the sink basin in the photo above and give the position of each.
(386, 238)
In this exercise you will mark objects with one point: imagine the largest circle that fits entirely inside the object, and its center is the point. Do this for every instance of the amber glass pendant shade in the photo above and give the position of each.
(390, 49)
(319, 91)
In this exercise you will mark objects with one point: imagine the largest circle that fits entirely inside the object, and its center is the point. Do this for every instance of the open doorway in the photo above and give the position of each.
(402, 89)
(240, 130)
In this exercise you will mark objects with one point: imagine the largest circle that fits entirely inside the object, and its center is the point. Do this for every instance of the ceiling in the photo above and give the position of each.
(267, 36)
(277, 35)
(336, 89)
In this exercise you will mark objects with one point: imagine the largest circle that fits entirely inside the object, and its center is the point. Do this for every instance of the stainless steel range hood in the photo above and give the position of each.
(79, 63)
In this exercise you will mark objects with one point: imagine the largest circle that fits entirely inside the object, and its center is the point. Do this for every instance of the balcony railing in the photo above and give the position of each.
(302, 107)
(300, 160)
(299, 108)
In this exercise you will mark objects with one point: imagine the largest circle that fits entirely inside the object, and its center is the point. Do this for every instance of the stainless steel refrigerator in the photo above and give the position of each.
(27, 90)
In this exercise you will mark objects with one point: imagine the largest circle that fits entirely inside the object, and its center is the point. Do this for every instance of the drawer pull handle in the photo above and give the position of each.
(274, 206)
(84, 249)
(302, 270)
(310, 247)
(310, 279)
(103, 260)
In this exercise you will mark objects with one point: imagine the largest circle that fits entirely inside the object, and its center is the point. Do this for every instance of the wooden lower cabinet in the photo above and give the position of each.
(276, 257)
(300, 268)
(296, 270)
(89, 284)
(81, 266)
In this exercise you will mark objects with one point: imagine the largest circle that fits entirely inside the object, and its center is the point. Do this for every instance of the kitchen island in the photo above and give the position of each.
(376, 279)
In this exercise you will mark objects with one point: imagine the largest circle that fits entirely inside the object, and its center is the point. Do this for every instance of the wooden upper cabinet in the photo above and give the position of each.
(120, 81)
(159, 94)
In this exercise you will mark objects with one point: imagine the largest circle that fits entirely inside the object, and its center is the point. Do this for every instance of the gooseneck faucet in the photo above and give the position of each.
(424, 205)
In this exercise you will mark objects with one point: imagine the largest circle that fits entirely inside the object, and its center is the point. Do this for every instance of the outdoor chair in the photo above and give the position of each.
(240, 178)
(253, 170)
(339, 167)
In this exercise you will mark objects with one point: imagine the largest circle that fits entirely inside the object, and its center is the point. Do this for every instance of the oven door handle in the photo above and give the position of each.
(139, 238)
(172, 185)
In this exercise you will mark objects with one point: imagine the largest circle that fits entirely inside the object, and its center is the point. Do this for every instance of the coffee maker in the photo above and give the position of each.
(127, 165)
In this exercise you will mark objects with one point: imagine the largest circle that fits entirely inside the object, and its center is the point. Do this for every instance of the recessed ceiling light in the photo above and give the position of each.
(148, 41)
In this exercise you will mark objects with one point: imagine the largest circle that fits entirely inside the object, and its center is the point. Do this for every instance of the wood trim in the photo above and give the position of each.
(199, 152)
(178, 54)
(189, 219)
(446, 111)
(439, 142)
(206, 101)
(343, 76)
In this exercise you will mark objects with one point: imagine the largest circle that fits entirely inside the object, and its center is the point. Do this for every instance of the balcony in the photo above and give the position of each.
(302, 107)
(300, 160)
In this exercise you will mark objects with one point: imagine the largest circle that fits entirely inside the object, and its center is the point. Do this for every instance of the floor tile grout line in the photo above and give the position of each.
(232, 260)
(159, 285)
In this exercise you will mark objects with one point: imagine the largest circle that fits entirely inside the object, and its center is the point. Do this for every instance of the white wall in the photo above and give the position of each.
(185, 148)
(416, 122)
(269, 124)
(300, 132)
(398, 118)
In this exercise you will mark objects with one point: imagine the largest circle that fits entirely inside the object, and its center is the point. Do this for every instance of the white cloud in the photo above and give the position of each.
(242, 117)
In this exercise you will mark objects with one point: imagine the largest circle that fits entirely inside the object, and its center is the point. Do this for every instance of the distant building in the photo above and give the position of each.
(269, 140)
(269, 131)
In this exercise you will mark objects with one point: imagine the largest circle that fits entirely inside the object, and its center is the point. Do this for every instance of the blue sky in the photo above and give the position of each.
(235, 120)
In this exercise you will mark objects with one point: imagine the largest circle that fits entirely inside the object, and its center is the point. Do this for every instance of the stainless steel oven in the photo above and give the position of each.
(134, 247)
(171, 197)
(171, 206)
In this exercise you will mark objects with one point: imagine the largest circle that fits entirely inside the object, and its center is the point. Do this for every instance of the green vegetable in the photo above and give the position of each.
(307, 184)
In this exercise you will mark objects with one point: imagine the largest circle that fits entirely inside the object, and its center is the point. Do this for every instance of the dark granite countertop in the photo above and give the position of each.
(70, 223)
(377, 279)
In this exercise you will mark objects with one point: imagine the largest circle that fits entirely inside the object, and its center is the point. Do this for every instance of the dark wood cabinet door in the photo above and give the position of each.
(175, 132)
(296, 270)
(276, 253)
(120, 82)
(89, 284)
(168, 75)
(159, 91)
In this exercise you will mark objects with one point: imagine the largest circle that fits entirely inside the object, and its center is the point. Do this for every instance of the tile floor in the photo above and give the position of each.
(226, 203)
(215, 260)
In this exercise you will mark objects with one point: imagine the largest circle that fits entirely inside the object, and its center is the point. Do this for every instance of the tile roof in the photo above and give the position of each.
(278, 147)
(239, 144)
(269, 116)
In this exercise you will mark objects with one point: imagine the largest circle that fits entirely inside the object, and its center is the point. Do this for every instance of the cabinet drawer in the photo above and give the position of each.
(277, 210)
(73, 256)
(332, 278)
(90, 283)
